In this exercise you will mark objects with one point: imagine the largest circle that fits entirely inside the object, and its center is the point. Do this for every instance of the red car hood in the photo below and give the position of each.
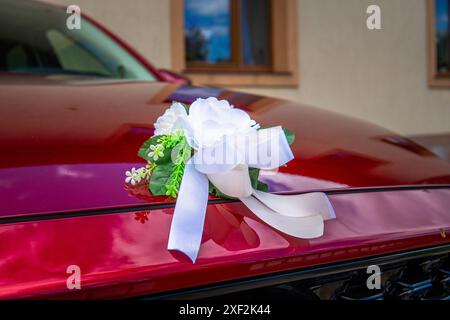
(66, 144)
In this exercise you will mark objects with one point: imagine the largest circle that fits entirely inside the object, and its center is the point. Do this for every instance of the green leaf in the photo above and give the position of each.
(290, 136)
(166, 158)
(262, 187)
(185, 107)
(160, 178)
(256, 184)
(254, 174)
(145, 148)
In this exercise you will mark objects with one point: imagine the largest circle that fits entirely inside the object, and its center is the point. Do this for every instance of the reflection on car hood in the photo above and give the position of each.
(66, 144)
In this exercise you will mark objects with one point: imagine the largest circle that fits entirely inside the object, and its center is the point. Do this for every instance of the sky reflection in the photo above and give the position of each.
(207, 29)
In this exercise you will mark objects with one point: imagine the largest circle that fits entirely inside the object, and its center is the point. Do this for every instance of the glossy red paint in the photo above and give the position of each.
(123, 255)
(65, 143)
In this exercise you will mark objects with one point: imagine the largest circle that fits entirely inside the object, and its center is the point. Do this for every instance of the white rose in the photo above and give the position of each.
(170, 120)
(210, 121)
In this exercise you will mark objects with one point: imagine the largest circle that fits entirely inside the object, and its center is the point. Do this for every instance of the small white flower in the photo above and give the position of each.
(157, 151)
(134, 176)
(130, 176)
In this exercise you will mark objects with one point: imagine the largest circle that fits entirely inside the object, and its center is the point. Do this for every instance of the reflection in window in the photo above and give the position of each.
(208, 30)
(73, 57)
(227, 34)
(34, 39)
(442, 28)
(254, 29)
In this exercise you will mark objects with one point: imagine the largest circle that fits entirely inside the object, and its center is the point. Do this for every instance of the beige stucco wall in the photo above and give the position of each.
(379, 75)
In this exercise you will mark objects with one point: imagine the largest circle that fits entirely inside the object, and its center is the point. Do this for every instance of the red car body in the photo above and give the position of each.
(65, 145)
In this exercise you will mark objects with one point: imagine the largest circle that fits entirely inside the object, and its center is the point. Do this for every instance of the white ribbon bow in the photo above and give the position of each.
(300, 216)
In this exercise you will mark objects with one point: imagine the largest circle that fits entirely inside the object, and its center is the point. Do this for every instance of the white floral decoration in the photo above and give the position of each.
(210, 120)
(170, 120)
(133, 176)
(157, 151)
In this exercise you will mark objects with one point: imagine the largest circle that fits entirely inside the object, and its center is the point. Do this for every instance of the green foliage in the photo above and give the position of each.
(262, 187)
(175, 177)
(163, 159)
(168, 177)
(160, 178)
(170, 141)
(256, 184)
(145, 148)
(254, 174)
(290, 136)
(184, 106)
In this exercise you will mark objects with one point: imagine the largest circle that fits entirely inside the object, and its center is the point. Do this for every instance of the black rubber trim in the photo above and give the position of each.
(99, 212)
(86, 213)
(227, 287)
(387, 189)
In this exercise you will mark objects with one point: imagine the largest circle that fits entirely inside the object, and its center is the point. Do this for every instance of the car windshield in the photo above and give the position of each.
(34, 38)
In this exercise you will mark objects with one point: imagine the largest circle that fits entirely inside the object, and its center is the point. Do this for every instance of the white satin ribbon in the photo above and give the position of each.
(300, 216)
(186, 229)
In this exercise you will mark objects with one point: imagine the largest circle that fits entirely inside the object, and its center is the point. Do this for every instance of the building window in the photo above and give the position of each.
(235, 42)
(438, 42)
(227, 35)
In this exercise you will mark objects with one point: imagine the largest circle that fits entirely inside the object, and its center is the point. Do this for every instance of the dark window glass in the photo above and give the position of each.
(227, 34)
(254, 31)
(208, 30)
(34, 39)
(442, 31)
